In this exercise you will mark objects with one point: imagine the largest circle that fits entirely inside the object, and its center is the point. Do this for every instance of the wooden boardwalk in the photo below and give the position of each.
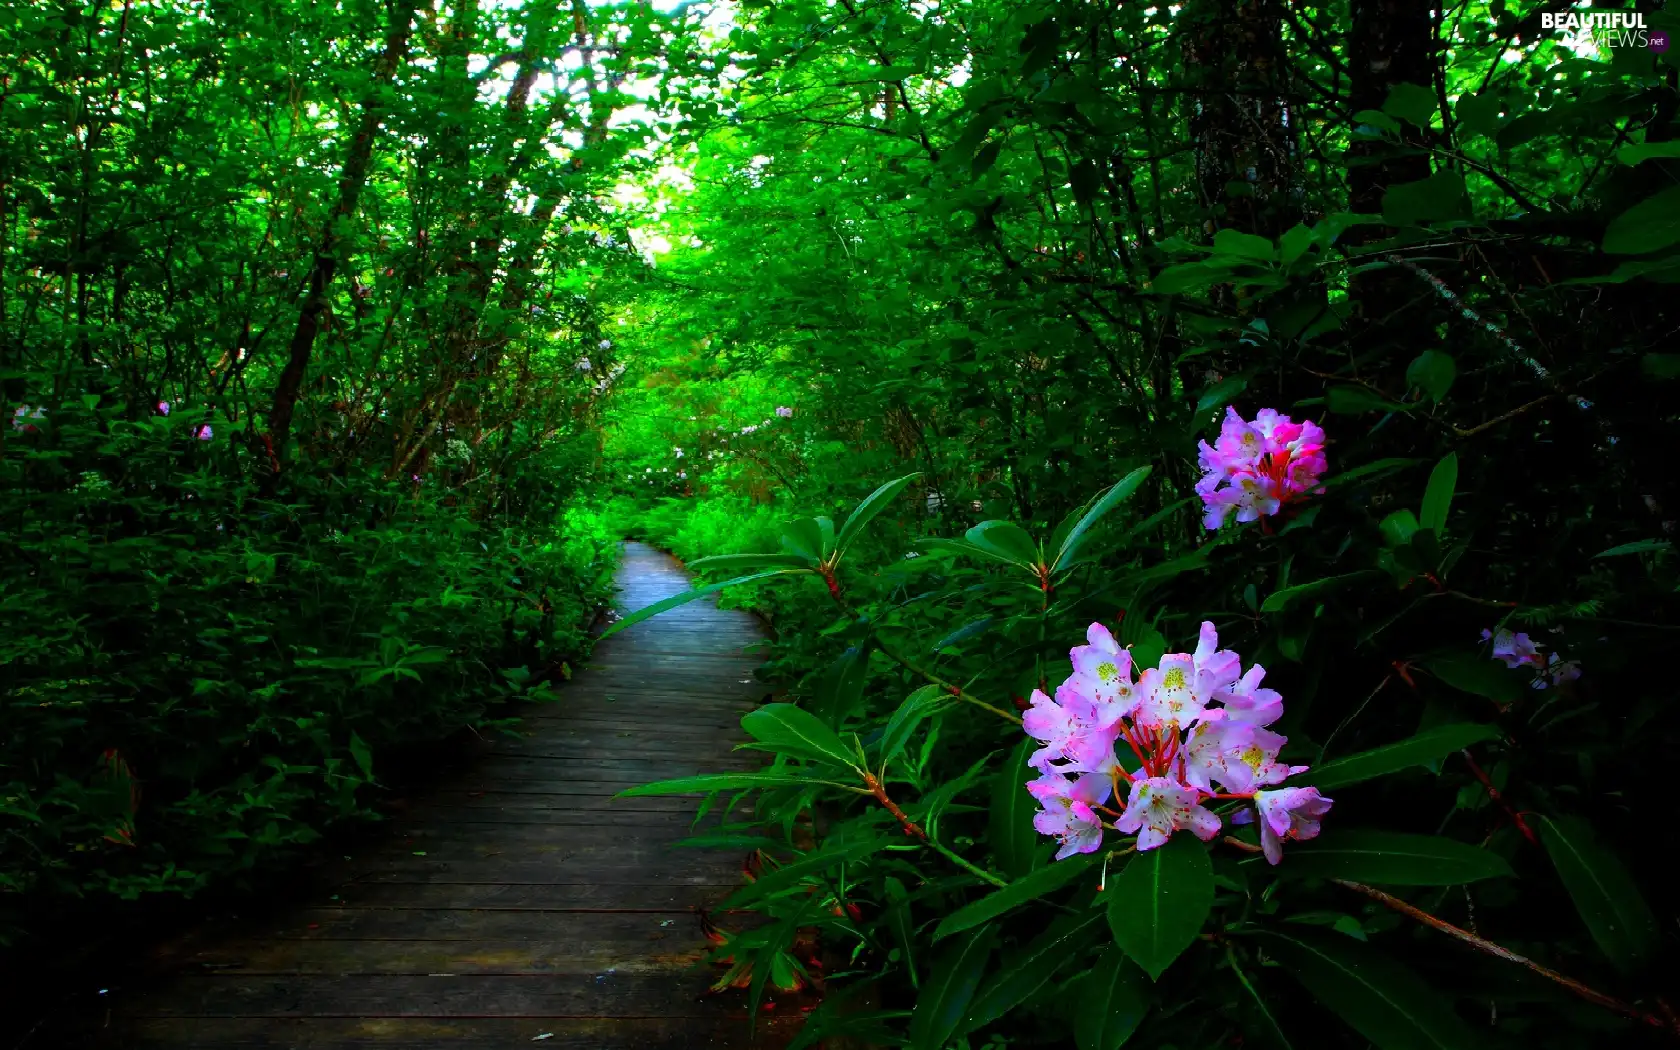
(517, 904)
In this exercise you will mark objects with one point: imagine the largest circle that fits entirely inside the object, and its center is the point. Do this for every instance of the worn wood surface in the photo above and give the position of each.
(517, 904)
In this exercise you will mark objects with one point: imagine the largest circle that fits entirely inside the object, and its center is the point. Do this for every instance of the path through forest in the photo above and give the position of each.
(517, 904)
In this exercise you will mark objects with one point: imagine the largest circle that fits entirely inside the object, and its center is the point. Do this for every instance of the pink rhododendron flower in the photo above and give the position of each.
(1253, 469)
(163, 408)
(784, 411)
(1514, 649)
(203, 433)
(1160, 806)
(1194, 723)
(1067, 814)
(1288, 813)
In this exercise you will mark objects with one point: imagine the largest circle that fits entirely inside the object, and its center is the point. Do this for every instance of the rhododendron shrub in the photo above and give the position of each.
(1165, 743)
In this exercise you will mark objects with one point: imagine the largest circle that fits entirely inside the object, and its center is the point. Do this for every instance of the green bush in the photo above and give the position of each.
(198, 677)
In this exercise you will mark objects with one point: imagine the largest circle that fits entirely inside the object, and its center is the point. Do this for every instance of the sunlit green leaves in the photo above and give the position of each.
(790, 730)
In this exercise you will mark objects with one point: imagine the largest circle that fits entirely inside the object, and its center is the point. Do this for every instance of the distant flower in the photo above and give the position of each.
(23, 414)
(1515, 650)
(583, 364)
(1254, 468)
(163, 408)
(203, 432)
(784, 412)
(678, 452)
(605, 344)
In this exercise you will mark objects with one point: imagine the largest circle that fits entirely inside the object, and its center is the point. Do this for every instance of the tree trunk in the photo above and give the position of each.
(350, 183)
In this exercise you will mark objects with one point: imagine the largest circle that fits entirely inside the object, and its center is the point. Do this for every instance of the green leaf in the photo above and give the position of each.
(1354, 400)
(362, 754)
(1027, 971)
(985, 157)
(707, 783)
(1366, 469)
(1660, 366)
(666, 605)
(1294, 243)
(805, 539)
(795, 873)
(1636, 547)
(1243, 245)
(1010, 833)
(866, 511)
(899, 921)
(1005, 541)
(1421, 749)
(1116, 493)
(1605, 895)
(1478, 675)
(1085, 180)
(1439, 197)
(791, 730)
(1112, 1003)
(841, 689)
(1413, 103)
(1391, 858)
(1650, 225)
(1278, 601)
(968, 630)
(1399, 528)
(1159, 902)
(1438, 495)
(1021, 891)
(1637, 153)
(1147, 644)
(751, 561)
(1381, 999)
(1220, 393)
(949, 988)
(917, 706)
(1433, 373)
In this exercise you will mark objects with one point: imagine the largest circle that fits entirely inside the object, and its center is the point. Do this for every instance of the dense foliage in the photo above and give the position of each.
(333, 337)
(302, 348)
(1023, 257)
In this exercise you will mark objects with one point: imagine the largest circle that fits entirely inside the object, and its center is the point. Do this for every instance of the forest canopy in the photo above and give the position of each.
(340, 344)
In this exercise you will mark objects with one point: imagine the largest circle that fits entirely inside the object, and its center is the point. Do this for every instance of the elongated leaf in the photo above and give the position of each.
(1379, 466)
(842, 687)
(1422, 749)
(948, 990)
(1027, 888)
(1383, 1001)
(1391, 858)
(1278, 601)
(1026, 972)
(1112, 1003)
(1005, 541)
(666, 605)
(791, 730)
(917, 706)
(1605, 895)
(866, 511)
(1011, 834)
(899, 921)
(707, 783)
(1160, 901)
(1438, 496)
(807, 866)
(1636, 547)
(751, 561)
(1123, 488)
(805, 539)
(963, 633)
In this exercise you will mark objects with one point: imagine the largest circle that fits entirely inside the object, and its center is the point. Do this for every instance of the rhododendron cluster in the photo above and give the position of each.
(1518, 650)
(1254, 468)
(1193, 733)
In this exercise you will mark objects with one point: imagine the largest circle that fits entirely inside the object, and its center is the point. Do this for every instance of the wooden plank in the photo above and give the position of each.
(402, 995)
(553, 895)
(727, 1030)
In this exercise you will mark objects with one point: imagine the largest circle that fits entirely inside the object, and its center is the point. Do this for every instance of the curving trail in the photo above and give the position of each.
(516, 904)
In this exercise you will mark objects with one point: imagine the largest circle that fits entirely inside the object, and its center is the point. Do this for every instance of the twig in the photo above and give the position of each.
(1484, 945)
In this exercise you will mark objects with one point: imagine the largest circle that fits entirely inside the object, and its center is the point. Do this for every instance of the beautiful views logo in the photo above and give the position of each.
(1605, 29)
